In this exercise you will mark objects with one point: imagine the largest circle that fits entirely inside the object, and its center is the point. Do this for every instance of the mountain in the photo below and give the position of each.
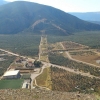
(95, 22)
(21, 17)
(89, 16)
(2, 2)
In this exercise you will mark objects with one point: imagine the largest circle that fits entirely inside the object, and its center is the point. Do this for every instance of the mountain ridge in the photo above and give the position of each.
(20, 16)
(87, 15)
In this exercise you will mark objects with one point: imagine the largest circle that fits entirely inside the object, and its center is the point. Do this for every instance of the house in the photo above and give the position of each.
(13, 74)
(29, 65)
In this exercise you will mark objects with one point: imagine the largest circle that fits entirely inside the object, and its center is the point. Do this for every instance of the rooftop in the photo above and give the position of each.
(12, 72)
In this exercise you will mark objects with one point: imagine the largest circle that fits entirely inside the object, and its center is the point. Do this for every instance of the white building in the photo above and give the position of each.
(11, 74)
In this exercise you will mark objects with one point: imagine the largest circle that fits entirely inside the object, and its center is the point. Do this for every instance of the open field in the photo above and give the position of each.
(44, 57)
(86, 56)
(68, 45)
(44, 79)
(11, 84)
(55, 46)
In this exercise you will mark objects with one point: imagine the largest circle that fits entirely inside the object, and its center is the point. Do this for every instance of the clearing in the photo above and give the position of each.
(11, 84)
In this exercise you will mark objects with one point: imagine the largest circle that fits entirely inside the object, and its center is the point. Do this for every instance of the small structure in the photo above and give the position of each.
(19, 60)
(29, 65)
(98, 61)
(12, 74)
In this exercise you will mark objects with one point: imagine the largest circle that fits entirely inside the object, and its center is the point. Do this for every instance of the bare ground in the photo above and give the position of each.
(41, 94)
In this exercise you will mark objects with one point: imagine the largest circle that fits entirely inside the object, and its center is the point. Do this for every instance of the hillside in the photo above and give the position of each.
(96, 22)
(41, 94)
(89, 16)
(23, 17)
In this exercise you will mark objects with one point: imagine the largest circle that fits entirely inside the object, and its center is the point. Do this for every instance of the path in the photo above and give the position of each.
(69, 56)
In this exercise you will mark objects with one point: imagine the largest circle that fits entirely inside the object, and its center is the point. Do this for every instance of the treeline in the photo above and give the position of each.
(6, 63)
(63, 80)
(60, 60)
(22, 44)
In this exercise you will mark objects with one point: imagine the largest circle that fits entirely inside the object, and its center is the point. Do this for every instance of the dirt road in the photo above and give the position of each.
(69, 56)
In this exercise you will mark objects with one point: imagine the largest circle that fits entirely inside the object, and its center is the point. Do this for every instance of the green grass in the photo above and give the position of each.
(11, 84)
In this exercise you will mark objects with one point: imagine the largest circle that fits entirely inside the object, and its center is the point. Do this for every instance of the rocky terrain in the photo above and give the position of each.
(41, 94)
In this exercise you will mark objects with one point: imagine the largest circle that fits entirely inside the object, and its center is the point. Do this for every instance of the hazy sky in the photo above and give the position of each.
(70, 5)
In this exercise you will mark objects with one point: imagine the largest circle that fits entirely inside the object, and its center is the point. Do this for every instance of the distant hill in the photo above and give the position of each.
(89, 16)
(21, 16)
(96, 22)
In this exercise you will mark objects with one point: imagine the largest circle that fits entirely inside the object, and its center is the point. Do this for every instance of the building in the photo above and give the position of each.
(12, 74)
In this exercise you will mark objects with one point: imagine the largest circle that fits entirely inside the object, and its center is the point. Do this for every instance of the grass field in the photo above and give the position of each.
(72, 45)
(44, 79)
(55, 46)
(11, 84)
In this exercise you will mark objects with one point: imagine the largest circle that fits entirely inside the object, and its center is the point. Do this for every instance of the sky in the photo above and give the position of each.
(70, 5)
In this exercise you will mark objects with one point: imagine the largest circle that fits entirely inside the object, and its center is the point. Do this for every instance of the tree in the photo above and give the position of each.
(37, 63)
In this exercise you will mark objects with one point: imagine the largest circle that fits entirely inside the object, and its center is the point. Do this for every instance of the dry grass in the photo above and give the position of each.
(69, 45)
(44, 58)
(56, 46)
(86, 56)
(40, 94)
(44, 79)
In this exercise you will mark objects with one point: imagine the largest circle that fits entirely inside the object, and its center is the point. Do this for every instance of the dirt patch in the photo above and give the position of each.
(86, 56)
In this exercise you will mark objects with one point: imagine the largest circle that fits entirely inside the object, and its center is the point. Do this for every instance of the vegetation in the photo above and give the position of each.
(72, 45)
(22, 44)
(86, 56)
(21, 16)
(41, 94)
(55, 46)
(65, 81)
(60, 60)
(87, 53)
(44, 79)
(6, 63)
(88, 38)
(11, 84)
(25, 76)
(37, 64)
